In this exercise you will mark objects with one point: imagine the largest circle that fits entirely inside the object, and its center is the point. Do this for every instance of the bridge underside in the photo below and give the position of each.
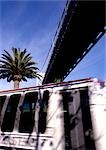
(82, 27)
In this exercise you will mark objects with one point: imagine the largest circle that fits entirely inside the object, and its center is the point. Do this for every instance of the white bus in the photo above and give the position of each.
(59, 116)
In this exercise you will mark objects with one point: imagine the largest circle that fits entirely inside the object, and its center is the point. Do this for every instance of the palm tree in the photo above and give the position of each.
(17, 67)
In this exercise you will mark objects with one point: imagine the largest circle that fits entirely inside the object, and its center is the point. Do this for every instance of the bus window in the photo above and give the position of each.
(43, 112)
(67, 101)
(27, 109)
(2, 100)
(86, 119)
(9, 117)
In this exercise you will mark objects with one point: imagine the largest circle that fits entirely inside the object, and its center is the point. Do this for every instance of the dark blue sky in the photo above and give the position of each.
(32, 25)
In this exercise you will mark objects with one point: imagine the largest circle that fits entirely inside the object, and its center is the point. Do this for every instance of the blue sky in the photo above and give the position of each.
(32, 25)
(93, 64)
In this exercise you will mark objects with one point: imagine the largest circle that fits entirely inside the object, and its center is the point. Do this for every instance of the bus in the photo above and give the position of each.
(57, 116)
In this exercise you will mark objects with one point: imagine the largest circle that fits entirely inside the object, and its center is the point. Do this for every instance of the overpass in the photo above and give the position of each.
(81, 26)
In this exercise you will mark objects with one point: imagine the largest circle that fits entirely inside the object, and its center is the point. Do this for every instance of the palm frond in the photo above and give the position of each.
(19, 64)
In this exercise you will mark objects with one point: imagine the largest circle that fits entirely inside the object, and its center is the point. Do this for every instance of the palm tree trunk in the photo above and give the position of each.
(16, 84)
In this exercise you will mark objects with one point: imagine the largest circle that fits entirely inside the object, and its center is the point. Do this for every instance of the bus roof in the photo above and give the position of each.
(86, 80)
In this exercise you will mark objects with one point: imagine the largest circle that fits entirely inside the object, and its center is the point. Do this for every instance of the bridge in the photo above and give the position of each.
(81, 26)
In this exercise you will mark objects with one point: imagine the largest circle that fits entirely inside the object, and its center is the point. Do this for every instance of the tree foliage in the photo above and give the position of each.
(18, 66)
